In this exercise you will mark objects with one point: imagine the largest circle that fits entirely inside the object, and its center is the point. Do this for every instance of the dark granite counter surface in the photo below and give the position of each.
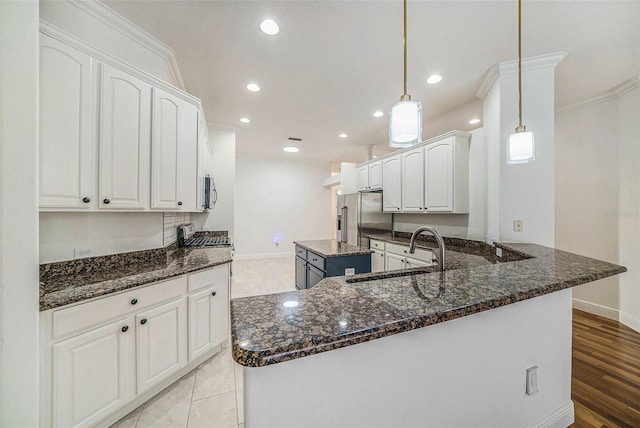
(70, 282)
(344, 311)
(332, 248)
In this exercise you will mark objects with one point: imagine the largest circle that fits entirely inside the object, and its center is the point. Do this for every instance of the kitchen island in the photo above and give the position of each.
(487, 323)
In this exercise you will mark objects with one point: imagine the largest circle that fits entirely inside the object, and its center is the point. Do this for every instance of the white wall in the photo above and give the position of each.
(279, 198)
(598, 197)
(469, 226)
(629, 208)
(102, 233)
(99, 26)
(18, 214)
(222, 167)
(586, 179)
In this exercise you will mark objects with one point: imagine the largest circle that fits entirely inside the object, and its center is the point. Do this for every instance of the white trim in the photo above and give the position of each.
(594, 308)
(508, 67)
(612, 94)
(332, 180)
(262, 256)
(127, 28)
(629, 321)
(560, 418)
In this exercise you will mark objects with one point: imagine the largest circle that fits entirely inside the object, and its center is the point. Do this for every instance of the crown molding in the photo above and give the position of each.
(612, 94)
(127, 28)
(509, 67)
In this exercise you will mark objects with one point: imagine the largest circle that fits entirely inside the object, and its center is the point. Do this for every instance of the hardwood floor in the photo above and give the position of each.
(605, 382)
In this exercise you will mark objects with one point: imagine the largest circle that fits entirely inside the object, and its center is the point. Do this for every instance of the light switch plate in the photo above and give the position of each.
(532, 380)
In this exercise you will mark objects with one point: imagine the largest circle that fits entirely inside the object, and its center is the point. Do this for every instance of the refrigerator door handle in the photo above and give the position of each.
(343, 230)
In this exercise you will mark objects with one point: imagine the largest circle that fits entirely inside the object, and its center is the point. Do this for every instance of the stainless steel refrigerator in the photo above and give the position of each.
(359, 215)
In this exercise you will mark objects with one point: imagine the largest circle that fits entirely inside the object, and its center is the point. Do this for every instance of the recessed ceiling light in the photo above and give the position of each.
(343, 135)
(474, 121)
(291, 149)
(245, 120)
(253, 87)
(378, 114)
(269, 27)
(433, 79)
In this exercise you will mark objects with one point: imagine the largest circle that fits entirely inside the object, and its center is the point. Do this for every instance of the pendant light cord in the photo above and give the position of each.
(519, 64)
(404, 45)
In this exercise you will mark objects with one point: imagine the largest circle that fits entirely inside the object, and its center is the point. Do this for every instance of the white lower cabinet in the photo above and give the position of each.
(92, 374)
(99, 356)
(161, 342)
(393, 261)
(395, 256)
(377, 261)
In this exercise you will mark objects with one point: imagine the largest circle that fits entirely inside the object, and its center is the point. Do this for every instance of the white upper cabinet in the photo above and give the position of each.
(413, 180)
(447, 176)
(173, 153)
(370, 176)
(67, 123)
(392, 184)
(112, 137)
(125, 127)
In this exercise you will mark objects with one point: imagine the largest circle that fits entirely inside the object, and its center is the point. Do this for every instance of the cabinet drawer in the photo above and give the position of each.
(378, 245)
(402, 250)
(316, 260)
(209, 277)
(85, 315)
(301, 252)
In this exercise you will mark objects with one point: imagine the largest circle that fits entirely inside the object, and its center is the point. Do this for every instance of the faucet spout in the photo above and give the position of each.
(418, 232)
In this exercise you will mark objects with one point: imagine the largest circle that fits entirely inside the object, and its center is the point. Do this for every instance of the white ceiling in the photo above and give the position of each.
(335, 62)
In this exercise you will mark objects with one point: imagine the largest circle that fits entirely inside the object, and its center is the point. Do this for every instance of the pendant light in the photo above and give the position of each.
(405, 117)
(520, 146)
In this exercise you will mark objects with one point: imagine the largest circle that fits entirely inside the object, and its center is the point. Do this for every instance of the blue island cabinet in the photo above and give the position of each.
(311, 268)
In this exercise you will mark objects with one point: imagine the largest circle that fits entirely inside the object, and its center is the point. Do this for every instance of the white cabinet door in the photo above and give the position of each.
(189, 158)
(161, 335)
(412, 263)
(393, 261)
(67, 127)
(201, 322)
(92, 374)
(438, 190)
(125, 125)
(221, 309)
(377, 261)
(174, 146)
(413, 180)
(392, 184)
(363, 178)
(375, 176)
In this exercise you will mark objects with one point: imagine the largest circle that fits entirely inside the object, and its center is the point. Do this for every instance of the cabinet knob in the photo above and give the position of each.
(214, 293)
(86, 200)
(134, 301)
(125, 328)
(143, 321)
(179, 202)
(106, 201)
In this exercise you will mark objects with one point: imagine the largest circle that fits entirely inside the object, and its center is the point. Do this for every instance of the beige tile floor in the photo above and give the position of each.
(211, 394)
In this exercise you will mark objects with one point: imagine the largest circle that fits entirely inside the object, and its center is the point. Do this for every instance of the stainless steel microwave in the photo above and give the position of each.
(210, 193)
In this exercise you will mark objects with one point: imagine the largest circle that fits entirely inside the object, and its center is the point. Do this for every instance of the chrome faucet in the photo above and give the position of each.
(414, 238)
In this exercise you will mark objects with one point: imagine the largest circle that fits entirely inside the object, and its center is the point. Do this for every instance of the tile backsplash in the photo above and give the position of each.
(171, 223)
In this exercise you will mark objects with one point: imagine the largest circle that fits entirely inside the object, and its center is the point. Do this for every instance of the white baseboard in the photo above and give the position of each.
(262, 256)
(629, 321)
(607, 312)
(560, 418)
(594, 308)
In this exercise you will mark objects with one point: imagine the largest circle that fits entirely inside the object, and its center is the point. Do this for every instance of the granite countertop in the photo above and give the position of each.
(344, 311)
(68, 282)
(332, 248)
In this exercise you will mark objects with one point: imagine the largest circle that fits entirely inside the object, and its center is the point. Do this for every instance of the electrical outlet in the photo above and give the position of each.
(498, 252)
(350, 271)
(81, 253)
(518, 225)
(532, 380)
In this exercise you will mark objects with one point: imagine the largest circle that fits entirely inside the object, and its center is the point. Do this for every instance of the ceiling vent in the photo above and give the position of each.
(295, 139)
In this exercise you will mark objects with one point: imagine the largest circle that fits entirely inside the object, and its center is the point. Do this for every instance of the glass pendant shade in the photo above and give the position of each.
(521, 147)
(405, 124)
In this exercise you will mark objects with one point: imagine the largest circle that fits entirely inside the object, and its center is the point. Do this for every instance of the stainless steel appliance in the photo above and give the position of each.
(186, 238)
(210, 193)
(359, 215)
